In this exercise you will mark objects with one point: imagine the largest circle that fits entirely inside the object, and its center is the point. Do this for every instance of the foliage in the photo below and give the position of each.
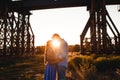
(71, 48)
(89, 67)
(75, 62)
(107, 63)
(83, 68)
(39, 49)
(76, 48)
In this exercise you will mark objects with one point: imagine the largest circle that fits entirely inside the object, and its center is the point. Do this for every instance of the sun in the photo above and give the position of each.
(55, 43)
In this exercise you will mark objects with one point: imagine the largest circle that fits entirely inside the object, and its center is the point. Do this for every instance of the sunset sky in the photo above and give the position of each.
(68, 22)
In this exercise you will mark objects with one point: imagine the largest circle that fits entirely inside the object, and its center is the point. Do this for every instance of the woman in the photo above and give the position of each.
(50, 70)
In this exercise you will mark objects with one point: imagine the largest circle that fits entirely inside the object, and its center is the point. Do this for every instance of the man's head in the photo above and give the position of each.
(55, 36)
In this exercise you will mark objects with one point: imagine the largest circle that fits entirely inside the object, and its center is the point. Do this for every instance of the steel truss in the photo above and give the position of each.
(99, 41)
(16, 35)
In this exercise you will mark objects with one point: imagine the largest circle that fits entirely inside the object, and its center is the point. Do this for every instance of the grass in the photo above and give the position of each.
(80, 67)
(22, 68)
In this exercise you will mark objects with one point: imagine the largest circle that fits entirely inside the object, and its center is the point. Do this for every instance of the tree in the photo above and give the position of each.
(76, 48)
(39, 49)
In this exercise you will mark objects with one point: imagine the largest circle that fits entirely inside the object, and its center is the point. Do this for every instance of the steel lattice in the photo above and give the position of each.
(16, 35)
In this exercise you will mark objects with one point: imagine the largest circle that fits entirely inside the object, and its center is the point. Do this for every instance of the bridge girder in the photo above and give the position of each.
(47, 4)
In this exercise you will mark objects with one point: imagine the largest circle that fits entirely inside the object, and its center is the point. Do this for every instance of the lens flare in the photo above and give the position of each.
(56, 43)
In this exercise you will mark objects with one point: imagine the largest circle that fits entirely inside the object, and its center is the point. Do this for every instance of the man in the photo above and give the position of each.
(62, 53)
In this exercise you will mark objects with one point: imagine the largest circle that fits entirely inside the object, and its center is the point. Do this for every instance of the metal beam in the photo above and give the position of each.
(47, 4)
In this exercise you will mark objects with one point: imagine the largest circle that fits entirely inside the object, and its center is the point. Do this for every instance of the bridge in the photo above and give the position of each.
(17, 37)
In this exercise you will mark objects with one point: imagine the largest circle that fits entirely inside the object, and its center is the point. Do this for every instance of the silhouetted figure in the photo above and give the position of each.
(56, 58)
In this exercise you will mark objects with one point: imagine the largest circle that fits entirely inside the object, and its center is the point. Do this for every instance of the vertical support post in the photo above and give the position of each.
(98, 32)
(104, 30)
(17, 42)
(93, 27)
(81, 44)
(11, 21)
(23, 33)
(5, 38)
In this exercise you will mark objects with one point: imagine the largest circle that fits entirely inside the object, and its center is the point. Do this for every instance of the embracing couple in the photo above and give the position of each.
(56, 58)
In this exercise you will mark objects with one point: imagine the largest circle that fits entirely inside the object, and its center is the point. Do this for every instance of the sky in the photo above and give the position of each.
(67, 22)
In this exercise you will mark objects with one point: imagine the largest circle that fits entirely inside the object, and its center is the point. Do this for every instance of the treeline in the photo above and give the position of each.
(71, 48)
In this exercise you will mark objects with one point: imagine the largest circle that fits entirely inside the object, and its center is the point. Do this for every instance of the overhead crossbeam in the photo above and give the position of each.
(46, 4)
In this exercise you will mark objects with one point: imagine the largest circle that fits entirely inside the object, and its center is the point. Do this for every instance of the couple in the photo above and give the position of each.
(56, 58)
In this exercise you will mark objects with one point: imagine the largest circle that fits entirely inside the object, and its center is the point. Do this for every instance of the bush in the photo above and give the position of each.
(74, 62)
(82, 68)
(89, 67)
(103, 64)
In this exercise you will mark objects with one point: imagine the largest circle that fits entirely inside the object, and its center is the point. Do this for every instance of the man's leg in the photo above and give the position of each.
(61, 73)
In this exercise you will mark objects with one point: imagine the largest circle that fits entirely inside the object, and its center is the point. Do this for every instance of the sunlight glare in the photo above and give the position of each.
(56, 43)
